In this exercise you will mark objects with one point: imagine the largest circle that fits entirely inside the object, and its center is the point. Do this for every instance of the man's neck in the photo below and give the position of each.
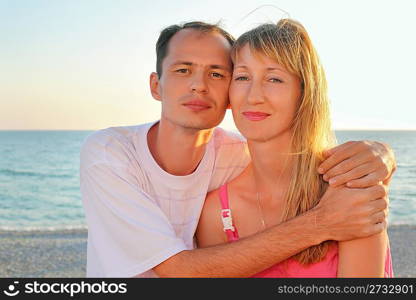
(177, 150)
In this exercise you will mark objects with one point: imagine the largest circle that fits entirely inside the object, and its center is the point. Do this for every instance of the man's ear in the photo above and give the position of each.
(154, 86)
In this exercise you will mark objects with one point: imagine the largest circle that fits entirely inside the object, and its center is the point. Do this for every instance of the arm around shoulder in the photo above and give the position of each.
(245, 257)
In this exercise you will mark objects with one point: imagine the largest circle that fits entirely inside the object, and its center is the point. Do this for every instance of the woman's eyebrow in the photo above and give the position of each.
(276, 69)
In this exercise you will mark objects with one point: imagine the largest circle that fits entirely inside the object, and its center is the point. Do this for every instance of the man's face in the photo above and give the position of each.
(195, 78)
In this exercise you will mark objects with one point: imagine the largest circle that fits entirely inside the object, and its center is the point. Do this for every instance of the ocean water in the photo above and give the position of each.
(39, 177)
(39, 180)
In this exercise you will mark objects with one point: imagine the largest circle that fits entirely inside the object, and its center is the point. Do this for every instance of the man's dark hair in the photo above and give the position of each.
(167, 33)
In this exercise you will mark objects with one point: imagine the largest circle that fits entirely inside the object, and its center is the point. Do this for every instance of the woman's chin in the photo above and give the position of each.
(261, 136)
(258, 137)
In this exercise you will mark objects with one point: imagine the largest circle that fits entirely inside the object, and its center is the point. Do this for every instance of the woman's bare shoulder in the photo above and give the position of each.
(210, 231)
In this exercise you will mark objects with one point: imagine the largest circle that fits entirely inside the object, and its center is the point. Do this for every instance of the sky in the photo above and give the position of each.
(71, 65)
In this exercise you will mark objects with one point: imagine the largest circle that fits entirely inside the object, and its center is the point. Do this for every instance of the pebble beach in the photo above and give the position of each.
(62, 254)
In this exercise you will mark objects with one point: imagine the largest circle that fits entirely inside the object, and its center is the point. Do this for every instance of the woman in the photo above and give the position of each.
(279, 100)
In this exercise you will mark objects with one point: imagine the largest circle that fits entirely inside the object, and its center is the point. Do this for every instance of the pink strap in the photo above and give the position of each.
(227, 220)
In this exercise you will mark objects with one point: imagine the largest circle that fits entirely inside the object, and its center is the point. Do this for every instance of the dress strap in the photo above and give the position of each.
(227, 220)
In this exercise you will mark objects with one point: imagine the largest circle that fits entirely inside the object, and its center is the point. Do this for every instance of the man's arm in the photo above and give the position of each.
(129, 234)
(358, 164)
(333, 218)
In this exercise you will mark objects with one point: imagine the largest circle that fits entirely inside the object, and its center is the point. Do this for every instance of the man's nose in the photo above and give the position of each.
(198, 83)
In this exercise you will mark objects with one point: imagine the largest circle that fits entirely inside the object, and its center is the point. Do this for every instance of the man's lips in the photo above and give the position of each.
(255, 115)
(197, 105)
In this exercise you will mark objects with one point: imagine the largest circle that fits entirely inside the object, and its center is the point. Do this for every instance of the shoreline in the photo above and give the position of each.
(62, 253)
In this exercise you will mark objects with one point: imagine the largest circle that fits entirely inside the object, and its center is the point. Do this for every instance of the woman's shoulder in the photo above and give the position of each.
(363, 257)
(210, 231)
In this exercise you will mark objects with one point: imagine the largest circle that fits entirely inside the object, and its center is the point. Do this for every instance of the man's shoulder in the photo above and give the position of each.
(226, 137)
(110, 142)
(230, 145)
(104, 137)
(231, 157)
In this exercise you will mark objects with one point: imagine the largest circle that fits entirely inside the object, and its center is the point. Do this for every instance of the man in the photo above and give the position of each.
(143, 186)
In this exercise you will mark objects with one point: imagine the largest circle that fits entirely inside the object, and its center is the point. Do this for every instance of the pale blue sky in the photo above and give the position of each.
(85, 64)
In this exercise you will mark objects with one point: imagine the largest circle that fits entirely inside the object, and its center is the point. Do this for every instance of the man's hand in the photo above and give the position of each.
(348, 213)
(358, 164)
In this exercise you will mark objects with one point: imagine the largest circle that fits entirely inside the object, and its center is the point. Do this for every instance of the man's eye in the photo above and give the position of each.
(241, 78)
(183, 71)
(217, 75)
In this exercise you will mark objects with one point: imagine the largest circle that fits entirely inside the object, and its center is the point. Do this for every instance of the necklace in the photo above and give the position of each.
(263, 223)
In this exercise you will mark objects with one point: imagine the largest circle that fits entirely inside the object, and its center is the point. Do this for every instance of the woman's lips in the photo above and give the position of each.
(255, 115)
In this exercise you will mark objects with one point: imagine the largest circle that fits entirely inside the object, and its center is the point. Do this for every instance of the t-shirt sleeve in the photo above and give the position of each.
(231, 158)
(128, 234)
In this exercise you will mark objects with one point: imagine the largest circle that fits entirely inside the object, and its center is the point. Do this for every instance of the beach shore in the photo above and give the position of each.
(63, 253)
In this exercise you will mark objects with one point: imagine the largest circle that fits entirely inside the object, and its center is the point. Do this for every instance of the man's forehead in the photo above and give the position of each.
(191, 33)
(191, 40)
(191, 46)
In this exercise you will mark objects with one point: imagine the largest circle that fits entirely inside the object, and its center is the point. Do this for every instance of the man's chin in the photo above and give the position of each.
(193, 123)
(193, 126)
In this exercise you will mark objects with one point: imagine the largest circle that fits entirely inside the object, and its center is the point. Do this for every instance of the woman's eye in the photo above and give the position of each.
(276, 80)
(241, 78)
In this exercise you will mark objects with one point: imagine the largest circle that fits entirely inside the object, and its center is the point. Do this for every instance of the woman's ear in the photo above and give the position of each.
(154, 86)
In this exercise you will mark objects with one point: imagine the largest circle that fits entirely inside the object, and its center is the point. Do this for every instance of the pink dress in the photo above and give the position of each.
(327, 267)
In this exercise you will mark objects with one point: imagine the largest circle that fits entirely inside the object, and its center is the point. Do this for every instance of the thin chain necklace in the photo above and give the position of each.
(263, 223)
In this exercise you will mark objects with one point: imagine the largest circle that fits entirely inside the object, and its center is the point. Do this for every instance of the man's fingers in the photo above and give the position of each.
(347, 165)
(355, 173)
(378, 227)
(377, 191)
(332, 150)
(378, 217)
(340, 153)
(368, 180)
(379, 205)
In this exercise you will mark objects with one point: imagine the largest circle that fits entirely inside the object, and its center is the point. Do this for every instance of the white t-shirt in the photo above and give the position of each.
(137, 214)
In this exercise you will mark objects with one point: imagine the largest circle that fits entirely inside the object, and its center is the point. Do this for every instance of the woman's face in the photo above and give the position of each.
(263, 96)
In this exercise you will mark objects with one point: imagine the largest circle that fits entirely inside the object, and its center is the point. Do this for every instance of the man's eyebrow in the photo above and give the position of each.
(221, 67)
(181, 62)
(214, 66)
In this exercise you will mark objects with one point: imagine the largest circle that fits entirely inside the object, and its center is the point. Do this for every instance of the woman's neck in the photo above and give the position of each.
(271, 164)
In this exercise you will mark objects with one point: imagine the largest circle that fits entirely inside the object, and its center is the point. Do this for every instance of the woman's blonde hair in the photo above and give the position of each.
(288, 43)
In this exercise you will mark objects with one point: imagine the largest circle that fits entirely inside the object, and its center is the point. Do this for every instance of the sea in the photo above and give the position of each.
(39, 178)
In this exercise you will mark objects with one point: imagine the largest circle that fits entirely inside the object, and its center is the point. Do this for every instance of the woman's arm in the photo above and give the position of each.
(210, 228)
(363, 257)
